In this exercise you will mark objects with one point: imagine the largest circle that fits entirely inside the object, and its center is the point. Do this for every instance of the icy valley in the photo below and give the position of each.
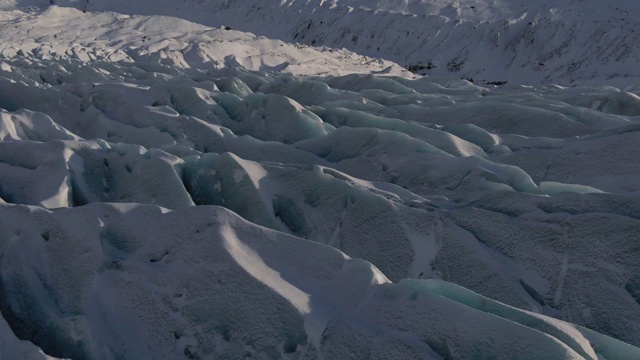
(173, 189)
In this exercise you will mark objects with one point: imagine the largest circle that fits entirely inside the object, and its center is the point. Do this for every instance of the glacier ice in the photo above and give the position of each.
(194, 279)
(155, 207)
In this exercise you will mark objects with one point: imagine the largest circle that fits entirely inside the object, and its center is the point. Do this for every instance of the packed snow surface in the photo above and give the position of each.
(170, 190)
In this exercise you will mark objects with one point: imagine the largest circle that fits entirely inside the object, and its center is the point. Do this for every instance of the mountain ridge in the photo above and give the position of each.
(570, 43)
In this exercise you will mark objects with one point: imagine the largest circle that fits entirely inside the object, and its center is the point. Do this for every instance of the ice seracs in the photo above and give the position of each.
(188, 194)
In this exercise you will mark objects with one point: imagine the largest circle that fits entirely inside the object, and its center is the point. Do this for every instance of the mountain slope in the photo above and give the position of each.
(530, 42)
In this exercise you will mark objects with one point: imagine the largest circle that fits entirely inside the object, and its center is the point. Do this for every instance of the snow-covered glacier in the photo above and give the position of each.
(174, 191)
(489, 41)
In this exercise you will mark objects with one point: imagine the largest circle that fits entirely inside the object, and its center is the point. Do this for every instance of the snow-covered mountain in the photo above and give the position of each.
(180, 190)
(522, 41)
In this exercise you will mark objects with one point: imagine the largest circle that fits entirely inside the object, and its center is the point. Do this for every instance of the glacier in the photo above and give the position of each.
(210, 193)
(575, 42)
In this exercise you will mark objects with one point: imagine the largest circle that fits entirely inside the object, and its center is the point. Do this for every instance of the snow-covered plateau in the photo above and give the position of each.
(182, 188)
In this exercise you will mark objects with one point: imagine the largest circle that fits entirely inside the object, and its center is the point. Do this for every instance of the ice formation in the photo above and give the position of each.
(169, 198)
